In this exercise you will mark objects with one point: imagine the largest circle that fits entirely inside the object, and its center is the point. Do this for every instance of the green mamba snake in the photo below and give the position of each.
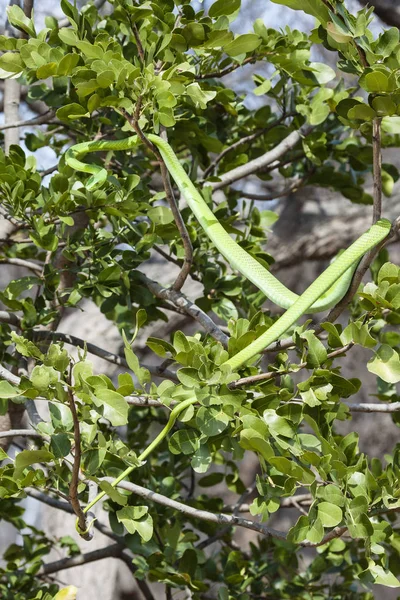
(323, 293)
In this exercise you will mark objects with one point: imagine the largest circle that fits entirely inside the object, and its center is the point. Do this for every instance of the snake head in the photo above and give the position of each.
(96, 181)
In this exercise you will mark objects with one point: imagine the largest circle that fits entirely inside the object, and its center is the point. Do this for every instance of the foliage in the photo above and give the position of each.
(162, 63)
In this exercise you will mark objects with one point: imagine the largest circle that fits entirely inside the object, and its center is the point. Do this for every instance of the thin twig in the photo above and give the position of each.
(73, 487)
(46, 118)
(218, 74)
(66, 507)
(246, 140)
(21, 433)
(180, 300)
(133, 120)
(266, 376)
(20, 262)
(293, 187)
(305, 499)
(183, 232)
(138, 40)
(219, 518)
(100, 352)
(262, 161)
(112, 551)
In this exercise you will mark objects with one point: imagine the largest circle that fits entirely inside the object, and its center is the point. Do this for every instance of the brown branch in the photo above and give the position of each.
(73, 487)
(218, 74)
(266, 376)
(112, 551)
(262, 161)
(138, 40)
(133, 120)
(183, 232)
(66, 507)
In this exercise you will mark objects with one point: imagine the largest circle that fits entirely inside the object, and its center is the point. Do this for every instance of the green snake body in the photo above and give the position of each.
(323, 293)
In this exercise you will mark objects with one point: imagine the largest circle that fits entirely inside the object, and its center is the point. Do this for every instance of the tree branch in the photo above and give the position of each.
(305, 499)
(219, 74)
(21, 433)
(219, 518)
(73, 487)
(20, 262)
(293, 187)
(133, 120)
(187, 244)
(266, 376)
(112, 551)
(66, 507)
(181, 301)
(41, 120)
(262, 161)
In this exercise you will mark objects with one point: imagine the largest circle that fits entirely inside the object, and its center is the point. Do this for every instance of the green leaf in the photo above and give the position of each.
(185, 441)
(199, 97)
(361, 112)
(223, 7)
(264, 88)
(68, 36)
(317, 353)
(298, 533)
(141, 373)
(278, 425)
(385, 364)
(160, 215)
(189, 377)
(17, 17)
(113, 493)
(8, 391)
(11, 62)
(387, 42)
(71, 112)
(67, 593)
(60, 445)
(115, 407)
(316, 8)
(329, 514)
(379, 576)
(211, 421)
(43, 377)
(315, 532)
(136, 519)
(29, 457)
(376, 82)
(242, 44)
